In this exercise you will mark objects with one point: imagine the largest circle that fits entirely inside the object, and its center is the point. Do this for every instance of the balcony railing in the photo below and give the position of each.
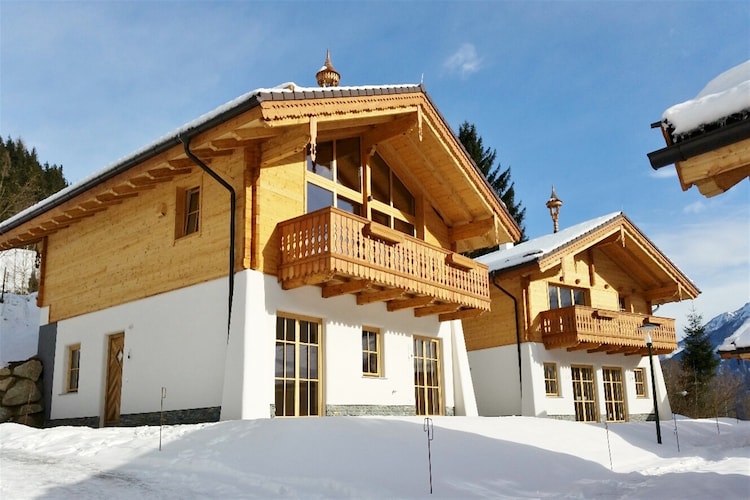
(580, 327)
(331, 247)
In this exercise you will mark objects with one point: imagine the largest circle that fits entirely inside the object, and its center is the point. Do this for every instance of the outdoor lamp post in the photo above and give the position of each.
(646, 329)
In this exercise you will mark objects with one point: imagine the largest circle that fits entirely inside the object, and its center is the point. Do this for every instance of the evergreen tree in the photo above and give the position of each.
(23, 180)
(497, 178)
(699, 362)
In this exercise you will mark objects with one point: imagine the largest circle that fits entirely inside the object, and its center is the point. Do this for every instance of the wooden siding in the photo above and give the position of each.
(129, 251)
(496, 327)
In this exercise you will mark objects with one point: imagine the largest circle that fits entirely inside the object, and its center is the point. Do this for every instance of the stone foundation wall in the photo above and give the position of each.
(21, 393)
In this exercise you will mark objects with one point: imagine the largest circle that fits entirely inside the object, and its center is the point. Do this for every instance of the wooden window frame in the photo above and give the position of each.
(367, 353)
(362, 198)
(183, 213)
(583, 402)
(297, 378)
(571, 289)
(641, 387)
(73, 369)
(611, 388)
(438, 377)
(550, 382)
(332, 185)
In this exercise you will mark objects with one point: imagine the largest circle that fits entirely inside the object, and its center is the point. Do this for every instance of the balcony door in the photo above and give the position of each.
(297, 379)
(427, 376)
(614, 394)
(584, 393)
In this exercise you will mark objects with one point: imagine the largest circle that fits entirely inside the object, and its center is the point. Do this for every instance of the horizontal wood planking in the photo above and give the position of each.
(129, 251)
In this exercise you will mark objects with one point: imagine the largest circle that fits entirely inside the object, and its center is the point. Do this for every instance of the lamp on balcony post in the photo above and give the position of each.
(646, 329)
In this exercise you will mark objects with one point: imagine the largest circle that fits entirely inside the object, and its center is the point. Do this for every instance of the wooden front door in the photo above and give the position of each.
(113, 392)
(427, 387)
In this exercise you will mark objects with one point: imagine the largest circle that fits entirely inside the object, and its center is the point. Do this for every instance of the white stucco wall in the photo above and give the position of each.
(175, 340)
(494, 373)
(249, 381)
(489, 366)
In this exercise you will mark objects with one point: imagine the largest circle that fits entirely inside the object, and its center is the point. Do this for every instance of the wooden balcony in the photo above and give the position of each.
(344, 253)
(599, 330)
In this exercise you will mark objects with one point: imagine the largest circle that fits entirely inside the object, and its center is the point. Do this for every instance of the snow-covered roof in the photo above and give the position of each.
(285, 91)
(529, 251)
(739, 339)
(725, 95)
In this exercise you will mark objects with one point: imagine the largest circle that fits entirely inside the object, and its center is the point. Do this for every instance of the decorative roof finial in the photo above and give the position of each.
(327, 76)
(554, 203)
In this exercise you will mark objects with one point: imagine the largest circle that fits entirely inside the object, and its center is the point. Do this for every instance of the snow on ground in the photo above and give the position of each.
(19, 327)
(379, 457)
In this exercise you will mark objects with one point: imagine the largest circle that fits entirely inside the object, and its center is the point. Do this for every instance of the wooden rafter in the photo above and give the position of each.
(353, 286)
(397, 305)
(381, 296)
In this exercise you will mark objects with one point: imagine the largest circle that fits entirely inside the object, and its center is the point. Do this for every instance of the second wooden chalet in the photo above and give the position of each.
(294, 252)
(564, 336)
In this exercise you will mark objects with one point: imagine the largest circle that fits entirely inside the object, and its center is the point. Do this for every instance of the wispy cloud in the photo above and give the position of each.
(694, 208)
(463, 62)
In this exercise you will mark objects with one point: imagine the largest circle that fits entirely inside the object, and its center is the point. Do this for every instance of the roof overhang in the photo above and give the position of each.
(622, 242)
(400, 122)
(714, 161)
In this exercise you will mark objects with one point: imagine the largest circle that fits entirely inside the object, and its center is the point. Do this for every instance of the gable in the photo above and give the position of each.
(399, 122)
(620, 241)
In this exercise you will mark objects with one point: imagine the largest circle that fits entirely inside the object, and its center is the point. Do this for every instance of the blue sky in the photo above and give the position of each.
(565, 91)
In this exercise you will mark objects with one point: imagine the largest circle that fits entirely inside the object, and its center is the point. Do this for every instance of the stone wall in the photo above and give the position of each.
(21, 393)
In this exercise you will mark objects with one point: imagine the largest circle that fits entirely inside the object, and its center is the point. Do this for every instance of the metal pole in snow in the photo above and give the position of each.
(161, 413)
(676, 435)
(428, 428)
(609, 448)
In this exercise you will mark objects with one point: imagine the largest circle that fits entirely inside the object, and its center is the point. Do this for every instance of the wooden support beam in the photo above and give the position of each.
(471, 230)
(313, 279)
(387, 131)
(397, 305)
(460, 314)
(381, 296)
(436, 309)
(601, 348)
(353, 286)
(287, 144)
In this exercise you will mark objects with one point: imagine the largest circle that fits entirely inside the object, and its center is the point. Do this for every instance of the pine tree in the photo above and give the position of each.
(23, 180)
(699, 362)
(497, 178)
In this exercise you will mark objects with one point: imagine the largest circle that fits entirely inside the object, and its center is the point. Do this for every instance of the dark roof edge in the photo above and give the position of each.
(695, 146)
(190, 130)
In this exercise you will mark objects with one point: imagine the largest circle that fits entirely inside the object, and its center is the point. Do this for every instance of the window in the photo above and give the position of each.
(614, 396)
(584, 397)
(640, 382)
(297, 377)
(392, 203)
(550, 379)
(427, 387)
(74, 363)
(335, 177)
(563, 296)
(370, 352)
(188, 211)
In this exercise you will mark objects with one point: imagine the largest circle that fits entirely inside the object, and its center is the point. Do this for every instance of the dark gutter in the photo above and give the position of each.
(698, 145)
(232, 209)
(518, 333)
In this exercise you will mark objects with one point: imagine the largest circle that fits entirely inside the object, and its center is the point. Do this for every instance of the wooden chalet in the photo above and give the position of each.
(708, 138)
(325, 220)
(564, 334)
